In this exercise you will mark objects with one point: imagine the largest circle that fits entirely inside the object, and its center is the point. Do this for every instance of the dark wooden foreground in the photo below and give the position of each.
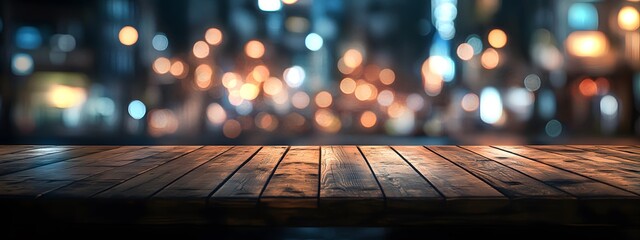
(322, 185)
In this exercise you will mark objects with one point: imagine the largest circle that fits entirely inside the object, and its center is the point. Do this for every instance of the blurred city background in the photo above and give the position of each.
(319, 72)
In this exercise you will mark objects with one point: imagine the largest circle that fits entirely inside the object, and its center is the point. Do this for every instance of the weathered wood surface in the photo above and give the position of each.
(322, 185)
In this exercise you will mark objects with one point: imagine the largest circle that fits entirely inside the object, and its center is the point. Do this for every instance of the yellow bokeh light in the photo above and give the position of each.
(352, 58)
(628, 18)
(587, 44)
(177, 69)
(396, 110)
(289, 2)
(213, 36)
(61, 96)
(327, 120)
(254, 49)
(128, 35)
(249, 91)
(490, 58)
(161, 65)
(347, 85)
(203, 76)
(363, 91)
(324, 99)
(343, 68)
(272, 86)
(368, 119)
(260, 73)
(230, 80)
(497, 38)
(387, 76)
(200, 49)
(465, 51)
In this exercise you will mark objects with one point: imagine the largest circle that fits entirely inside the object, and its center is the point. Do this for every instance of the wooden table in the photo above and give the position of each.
(322, 185)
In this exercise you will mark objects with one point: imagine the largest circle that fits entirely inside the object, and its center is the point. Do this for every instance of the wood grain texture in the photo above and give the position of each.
(28, 163)
(100, 182)
(202, 181)
(9, 149)
(592, 157)
(571, 183)
(18, 153)
(154, 180)
(608, 151)
(452, 181)
(345, 174)
(509, 182)
(295, 182)
(601, 172)
(396, 177)
(249, 181)
(629, 149)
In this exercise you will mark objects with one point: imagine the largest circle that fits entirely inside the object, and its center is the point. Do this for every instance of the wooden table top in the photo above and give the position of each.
(322, 185)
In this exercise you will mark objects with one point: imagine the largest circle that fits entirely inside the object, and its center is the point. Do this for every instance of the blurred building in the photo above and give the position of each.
(311, 71)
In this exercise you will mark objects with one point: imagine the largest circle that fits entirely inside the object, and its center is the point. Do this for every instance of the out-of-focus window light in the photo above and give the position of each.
(62, 96)
(553, 128)
(628, 18)
(269, 5)
(213, 36)
(160, 42)
(490, 105)
(22, 64)
(128, 35)
(587, 44)
(583, 16)
(137, 109)
(294, 76)
(28, 37)
(313, 42)
(546, 104)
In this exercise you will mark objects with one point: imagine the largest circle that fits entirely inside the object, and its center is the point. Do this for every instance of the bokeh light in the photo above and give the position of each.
(465, 51)
(61, 96)
(497, 38)
(137, 109)
(216, 114)
(300, 100)
(588, 87)
(470, 102)
(203, 76)
(213, 36)
(348, 85)
(22, 64)
(254, 49)
(490, 58)
(628, 18)
(160, 42)
(232, 128)
(587, 44)
(200, 49)
(161, 65)
(368, 119)
(387, 76)
(294, 76)
(323, 99)
(352, 58)
(313, 42)
(128, 35)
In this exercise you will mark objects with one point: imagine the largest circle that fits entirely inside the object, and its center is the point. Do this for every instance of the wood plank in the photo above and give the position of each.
(75, 168)
(396, 177)
(145, 185)
(608, 151)
(345, 174)
(629, 149)
(8, 149)
(103, 181)
(595, 158)
(32, 152)
(509, 182)
(452, 181)
(246, 185)
(576, 185)
(28, 189)
(295, 182)
(601, 172)
(28, 163)
(202, 181)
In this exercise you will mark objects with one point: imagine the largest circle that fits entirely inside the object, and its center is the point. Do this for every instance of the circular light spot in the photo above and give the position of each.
(363, 92)
(161, 65)
(213, 36)
(294, 76)
(249, 91)
(609, 105)
(300, 100)
(137, 109)
(177, 69)
(160, 42)
(532, 82)
(588, 87)
(368, 119)
(497, 38)
(324, 99)
(352, 58)
(385, 98)
(415, 102)
(231, 129)
(313, 42)
(128, 35)
(470, 102)
(22, 64)
(490, 58)
(628, 19)
(216, 114)
(200, 49)
(387, 76)
(465, 51)
(347, 85)
(553, 128)
(254, 49)
(203, 76)
(272, 86)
